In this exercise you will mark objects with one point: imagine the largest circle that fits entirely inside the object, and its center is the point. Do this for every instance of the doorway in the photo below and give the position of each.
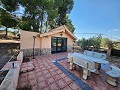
(58, 44)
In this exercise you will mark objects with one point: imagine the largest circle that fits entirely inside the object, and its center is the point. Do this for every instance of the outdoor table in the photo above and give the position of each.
(97, 61)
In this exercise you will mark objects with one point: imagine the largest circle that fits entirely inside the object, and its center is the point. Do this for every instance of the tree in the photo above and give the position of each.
(7, 20)
(44, 15)
(93, 42)
(6, 17)
(63, 11)
(68, 23)
(104, 42)
(37, 12)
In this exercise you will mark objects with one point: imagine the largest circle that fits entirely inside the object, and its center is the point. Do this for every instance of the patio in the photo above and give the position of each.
(51, 72)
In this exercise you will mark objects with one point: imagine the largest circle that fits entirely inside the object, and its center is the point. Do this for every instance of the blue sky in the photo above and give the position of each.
(96, 16)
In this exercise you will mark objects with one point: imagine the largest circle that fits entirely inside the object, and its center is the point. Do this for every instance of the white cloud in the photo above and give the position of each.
(116, 29)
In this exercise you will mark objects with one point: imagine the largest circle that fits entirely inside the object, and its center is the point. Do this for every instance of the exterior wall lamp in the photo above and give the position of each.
(61, 34)
(33, 45)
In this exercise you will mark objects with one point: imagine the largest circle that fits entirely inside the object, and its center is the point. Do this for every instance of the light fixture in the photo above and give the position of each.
(46, 36)
(61, 34)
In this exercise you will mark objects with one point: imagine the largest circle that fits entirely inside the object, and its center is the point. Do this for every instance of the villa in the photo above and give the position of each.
(50, 68)
(54, 41)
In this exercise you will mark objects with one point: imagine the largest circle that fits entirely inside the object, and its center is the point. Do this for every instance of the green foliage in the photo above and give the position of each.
(104, 42)
(93, 42)
(97, 42)
(6, 18)
(68, 23)
(41, 15)
(10, 5)
(63, 10)
(37, 12)
(118, 46)
(46, 13)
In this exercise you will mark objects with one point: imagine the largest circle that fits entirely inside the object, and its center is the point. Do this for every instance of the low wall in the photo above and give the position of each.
(20, 57)
(37, 51)
(11, 79)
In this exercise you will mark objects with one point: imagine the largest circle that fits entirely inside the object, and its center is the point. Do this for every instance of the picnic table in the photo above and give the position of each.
(90, 63)
(89, 58)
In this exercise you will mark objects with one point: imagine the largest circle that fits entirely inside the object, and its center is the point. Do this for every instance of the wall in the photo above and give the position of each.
(42, 45)
(26, 40)
(26, 43)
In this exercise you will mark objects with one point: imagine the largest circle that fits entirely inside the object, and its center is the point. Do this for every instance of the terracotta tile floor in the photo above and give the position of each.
(48, 75)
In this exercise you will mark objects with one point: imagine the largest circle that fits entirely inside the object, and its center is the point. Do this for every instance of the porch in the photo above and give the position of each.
(51, 72)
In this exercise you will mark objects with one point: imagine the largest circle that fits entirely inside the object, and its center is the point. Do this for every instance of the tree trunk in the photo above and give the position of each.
(41, 24)
(46, 26)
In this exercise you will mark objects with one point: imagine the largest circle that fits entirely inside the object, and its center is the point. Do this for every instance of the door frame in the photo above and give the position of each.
(56, 47)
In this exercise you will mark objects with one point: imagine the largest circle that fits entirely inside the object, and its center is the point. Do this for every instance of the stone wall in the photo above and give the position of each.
(37, 51)
(45, 51)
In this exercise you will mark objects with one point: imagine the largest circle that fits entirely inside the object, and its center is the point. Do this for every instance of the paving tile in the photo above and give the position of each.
(61, 83)
(39, 74)
(74, 86)
(62, 75)
(45, 72)
(50, 81)
(43, 65)
(46, 88)
(48, 75)
(35, 87)
(56, 69)
(42, 85)
(32, 82)
(31, 76)
(54, 86)
(37, 70)
(53, 73)
(22, 84)
(51, 70)
(67, 88)
(67, 80)
(40, 79)
(59, 71)
(23, 79)
(23, 75)
(31, 72)
(57, 77)
(43, 69)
